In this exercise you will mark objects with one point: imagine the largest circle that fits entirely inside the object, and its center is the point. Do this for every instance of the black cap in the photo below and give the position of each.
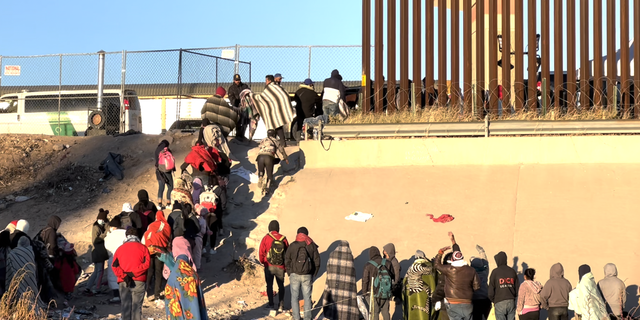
(303, 230)
(236, 77)
(274, 226)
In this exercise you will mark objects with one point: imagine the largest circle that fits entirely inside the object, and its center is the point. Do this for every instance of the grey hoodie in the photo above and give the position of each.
(555, 292)
(613, 289)
(390, 249)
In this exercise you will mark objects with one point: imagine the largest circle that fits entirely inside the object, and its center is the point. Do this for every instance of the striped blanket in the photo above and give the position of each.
(274, 106)
(21, 264)
(340, 300)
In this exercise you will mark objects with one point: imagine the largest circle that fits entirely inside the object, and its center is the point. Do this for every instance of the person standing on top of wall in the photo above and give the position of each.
(234, 99)
(277, 78)
(334, 91)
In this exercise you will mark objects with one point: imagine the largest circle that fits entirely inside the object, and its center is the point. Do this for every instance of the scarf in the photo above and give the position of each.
(304, 238)
(132, 238)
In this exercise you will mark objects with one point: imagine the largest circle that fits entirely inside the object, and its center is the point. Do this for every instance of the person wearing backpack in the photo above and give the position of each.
(145, 206)
(269, 154)
(302, 262)
(156, 239)
(379, 273)
(164, 174)
(528, 307)
(503, 288)
(272, 252)
(129, 218)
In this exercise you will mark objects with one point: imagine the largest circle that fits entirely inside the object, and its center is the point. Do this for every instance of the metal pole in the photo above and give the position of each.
(532, 100)
(179, 93)
(429, 50)
(480, 62)
(366, 55)
(636, 57)
(0, 71)
(417, 53)
(123, 75)
(473, 98)
(585, 73)
(597, 53)
(455, 53)
(217, 74)
(493, 57)
(545, 54)
(101, 54)
(624, 55)
(404, 54)
(519, 55)
(442, 53)
(558, 76)
(612, 70)
(545, 102)
(391, 56)
(379, 47)
(413, 101)
(506, 56)
(571, 56)
(60, 95)
(467, 56)
(309, 72)
(236, 66)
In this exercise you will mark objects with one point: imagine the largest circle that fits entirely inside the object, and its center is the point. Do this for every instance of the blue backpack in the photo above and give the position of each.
(382, 281)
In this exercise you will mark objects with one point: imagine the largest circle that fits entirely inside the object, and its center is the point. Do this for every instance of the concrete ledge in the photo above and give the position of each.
(471, 151)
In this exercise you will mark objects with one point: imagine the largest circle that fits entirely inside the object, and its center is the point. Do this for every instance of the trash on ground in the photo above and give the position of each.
(245, 174)
(443, 218)
(359, 216)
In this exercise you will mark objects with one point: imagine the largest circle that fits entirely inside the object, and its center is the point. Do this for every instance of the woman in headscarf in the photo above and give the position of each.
(21, 264)
(114, 239)
(164, 178)
(144, 205)
(197, 190)
(183, 295)
(99, 253)
(179, 246)
(419, 284)
(20, 230)
(585, 299)
(340, 293)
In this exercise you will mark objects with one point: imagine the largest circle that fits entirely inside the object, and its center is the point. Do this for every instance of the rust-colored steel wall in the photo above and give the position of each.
(379, 47)
(391, 56)
(480, 86)
(366, 55)
(506, 56)
(636, 58)
(493, 57)
(624, 56)
(468, 60)
(597, 53)
(442, 54)
(585, 73)
(404, 54)
(571, 55)
(417, 50)
(429, 47)
(519, 56)
(455, 53)
(559, 68)
(532, 100)
(611, 52)
(545, 38)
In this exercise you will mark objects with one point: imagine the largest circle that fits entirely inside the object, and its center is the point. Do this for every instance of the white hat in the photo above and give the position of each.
(23, 225)
(127, 207)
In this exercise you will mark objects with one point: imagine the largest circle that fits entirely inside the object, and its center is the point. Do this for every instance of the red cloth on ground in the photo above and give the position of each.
(265, 245)
(201, 155)
(443, 218)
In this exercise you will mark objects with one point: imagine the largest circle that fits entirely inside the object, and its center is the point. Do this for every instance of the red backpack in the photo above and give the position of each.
(166, 161)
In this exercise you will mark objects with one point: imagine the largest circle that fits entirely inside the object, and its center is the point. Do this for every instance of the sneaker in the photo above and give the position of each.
(115, 300)
(213, 251)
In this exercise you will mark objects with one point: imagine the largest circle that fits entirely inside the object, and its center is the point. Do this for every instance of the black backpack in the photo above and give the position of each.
(125, 220)
(275, 256)
(302, 264)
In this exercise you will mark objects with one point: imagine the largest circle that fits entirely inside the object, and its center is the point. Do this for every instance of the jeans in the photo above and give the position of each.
(98, 272)
(155, 270)
(381, 305)
(329, 109)
(460, 311)
(277, 273)
(265, 166)
(534, 315)
(297, 282)
(161, 182)
(506, 310)
(131, 300)
(558, 313)
(481, 309)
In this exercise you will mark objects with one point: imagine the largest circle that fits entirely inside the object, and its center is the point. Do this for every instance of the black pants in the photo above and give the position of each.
(165, 178)
(214, 227)
(556, 313)
(277, 273)
(155, 271)
(381, 305)
(265, 165)
(481, 308)
(536, 315)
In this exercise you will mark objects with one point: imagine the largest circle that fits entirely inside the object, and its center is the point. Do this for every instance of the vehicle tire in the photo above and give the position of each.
(97, 119)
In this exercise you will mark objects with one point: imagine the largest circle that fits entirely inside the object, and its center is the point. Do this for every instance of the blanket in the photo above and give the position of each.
(340, 293)
(21, 264)
(183, 295)
(419, 284)
(274, 106)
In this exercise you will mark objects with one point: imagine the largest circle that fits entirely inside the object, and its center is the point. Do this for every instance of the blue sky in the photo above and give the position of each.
(72, 26)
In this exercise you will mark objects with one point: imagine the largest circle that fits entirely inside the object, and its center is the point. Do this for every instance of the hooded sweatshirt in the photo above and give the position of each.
(334, 90)
(481, 265)
(503, 284)
(527, 296)
(145, 205)
(613, 289)
(49, 235)
(370, 271)
(390, 249)
(556, 291)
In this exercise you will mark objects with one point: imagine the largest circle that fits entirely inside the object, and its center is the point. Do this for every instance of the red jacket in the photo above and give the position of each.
(200, 155)
(132, 257)
(265, 245)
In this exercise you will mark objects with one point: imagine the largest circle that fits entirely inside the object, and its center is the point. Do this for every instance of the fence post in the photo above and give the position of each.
(544, 96)
(237, 59)
(413, 98)
(309, 72)
(0, 71)
(249, 72)
(217, 73)
(59, 96)
(101, 55)
(473, 98)
(179, 89)
(123, 80)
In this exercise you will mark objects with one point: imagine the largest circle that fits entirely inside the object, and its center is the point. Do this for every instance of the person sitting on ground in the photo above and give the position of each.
(528, 303)
(164, 178)
(5, 242)
(130, 265)
(372, 269)
(503, 288)
(340, 297)
(555, 294)
(268, 157)
(99, 253)
(49, 236)
(460, 283)
(273, 248)
(585, 300)
(613, 290)
(302, 263)
(114, 239)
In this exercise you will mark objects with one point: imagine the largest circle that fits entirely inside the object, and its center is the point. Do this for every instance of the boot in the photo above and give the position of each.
(160, 204)
(265, 187)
